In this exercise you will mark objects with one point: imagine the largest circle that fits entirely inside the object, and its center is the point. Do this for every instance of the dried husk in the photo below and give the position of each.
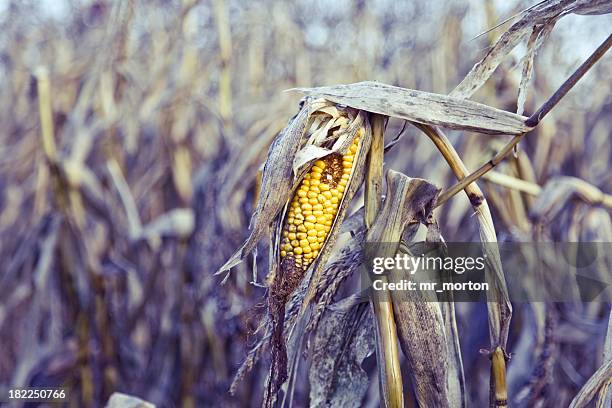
(344, 339)
(420, 322)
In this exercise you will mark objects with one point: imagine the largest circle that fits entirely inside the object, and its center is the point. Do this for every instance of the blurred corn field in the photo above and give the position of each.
(131, 151)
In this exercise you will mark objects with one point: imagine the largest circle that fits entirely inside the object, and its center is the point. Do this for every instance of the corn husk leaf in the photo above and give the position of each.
(422, 107)
(343, 340)
(420, 322)
(276, 185)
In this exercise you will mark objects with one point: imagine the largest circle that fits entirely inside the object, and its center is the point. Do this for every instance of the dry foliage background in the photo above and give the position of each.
(113, 222)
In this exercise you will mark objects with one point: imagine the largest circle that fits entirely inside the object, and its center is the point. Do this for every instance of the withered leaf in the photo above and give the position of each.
(422, 107)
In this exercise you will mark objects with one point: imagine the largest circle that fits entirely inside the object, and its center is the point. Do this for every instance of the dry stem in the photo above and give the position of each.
(383, 308)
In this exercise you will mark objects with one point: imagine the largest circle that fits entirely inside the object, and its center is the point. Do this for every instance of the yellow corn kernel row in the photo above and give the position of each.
(314, 207)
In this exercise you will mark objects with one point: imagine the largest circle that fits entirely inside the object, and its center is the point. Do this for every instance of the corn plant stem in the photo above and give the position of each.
(587, 191)
(514, 183)
(531, 122)
(569, 83)
(43, 89)
(499, 311)
(383, 307)
(225, 56)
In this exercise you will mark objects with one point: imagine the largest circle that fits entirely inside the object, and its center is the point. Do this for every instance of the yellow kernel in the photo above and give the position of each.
(334, 200)
(311, 218)
(301, 228)
(317, 213)
(327, 228)
(301, 193)
(321, 219)
(292, 235)
(327, 223)
(305, 183)
(313, 201)
(316, 169)
(307, 176)
(327, 194)
(291, 220)
(347, 164)
(312, 239)
(329, 216)
(340, 188)
(320, 227)
(308, 225)
(315, 183)
(287, 247)
(320, 163)
(315, 245)
(316, 176)
(307, 213)
(348, 157)
(301, 235)
(315, 253)
(315, 189)
(321, 232)
(308, 255)
(317, 207)
(299, 218)
(346, 176)
(312, 233)
(292, 228)
(304, 242)
(285, 233)
(294, 203)
(298, 251)
(306, 250)
(283, 253)
(324, 187)
(312, 194)
(334, 192)
(321, 239)
(295, 243)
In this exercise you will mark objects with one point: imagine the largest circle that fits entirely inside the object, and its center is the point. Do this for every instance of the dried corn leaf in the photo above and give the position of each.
(599, 379)
(344, 339)
(422, 107)
(420, 322)
(119, 400)
(558, 191)
(542, 14)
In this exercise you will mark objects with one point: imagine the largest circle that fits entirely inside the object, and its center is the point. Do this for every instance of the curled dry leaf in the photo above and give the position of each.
(543, 14)
(559, 190)
(422, 107)
(420, 322)
(344, 339)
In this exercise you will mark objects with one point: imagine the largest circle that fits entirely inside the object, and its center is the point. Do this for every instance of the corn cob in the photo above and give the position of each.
(313, 209)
